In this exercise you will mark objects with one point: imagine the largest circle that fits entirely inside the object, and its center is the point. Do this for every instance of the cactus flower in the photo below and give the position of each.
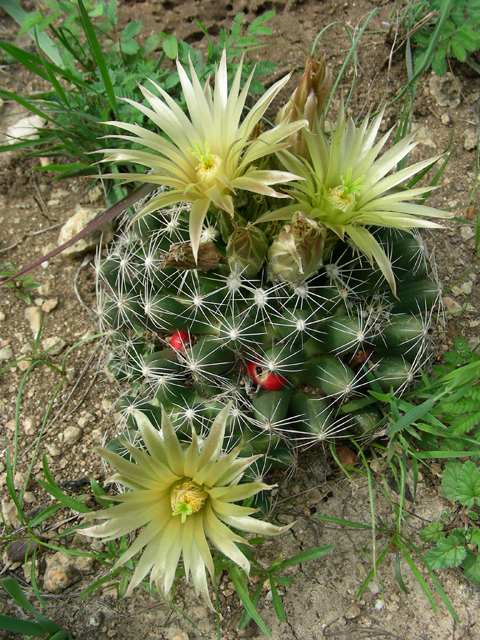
(210, 155)
(297, 252)
(348, 188)
(181, 498)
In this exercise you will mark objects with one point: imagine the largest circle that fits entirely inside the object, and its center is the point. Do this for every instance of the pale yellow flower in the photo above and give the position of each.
(208, 157)
(348, 188)
(181, 497)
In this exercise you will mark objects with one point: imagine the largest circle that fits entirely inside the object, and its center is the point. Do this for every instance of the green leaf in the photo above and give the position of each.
(237, 26)
(451, 474)
(131, 30)
(471, 566)
(439, 63)
(449, 552)
(130, 47)
(256, 28)
(150, 44)
(170, 46)
(468, 485)
(473, 537)
(458, 50)
(30, 20)
(433, 532)
(112, 13)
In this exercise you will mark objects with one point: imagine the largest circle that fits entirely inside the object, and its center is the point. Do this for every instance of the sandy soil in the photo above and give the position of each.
(321, 603)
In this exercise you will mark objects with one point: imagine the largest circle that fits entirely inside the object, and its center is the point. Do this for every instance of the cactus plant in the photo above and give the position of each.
(210, 299)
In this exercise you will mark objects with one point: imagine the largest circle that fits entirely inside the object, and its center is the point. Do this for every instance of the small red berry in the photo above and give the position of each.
(267, 381)
(180, 340)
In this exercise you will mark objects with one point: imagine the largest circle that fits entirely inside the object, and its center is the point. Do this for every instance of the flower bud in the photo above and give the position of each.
(307, 101)
(247, 250)
(297, 253)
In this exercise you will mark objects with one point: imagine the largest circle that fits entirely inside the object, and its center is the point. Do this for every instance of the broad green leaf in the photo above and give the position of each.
(131, 30)
(449, 552)
(473, 537)
(468, 485)
(170, 46)
(451, 473)
(130, 47)
(471, 566)
(433, 532)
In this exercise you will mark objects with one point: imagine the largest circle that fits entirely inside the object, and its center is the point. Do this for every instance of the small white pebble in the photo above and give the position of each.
(379, 604)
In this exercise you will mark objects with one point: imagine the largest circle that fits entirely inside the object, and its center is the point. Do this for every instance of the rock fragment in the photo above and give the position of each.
(34, 315)
(60, 572)
(71, 435)
(75, 224)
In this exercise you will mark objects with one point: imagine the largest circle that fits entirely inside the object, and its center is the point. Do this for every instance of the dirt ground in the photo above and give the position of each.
(321, 603)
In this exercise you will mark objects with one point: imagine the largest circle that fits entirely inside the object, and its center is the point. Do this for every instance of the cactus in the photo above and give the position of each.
(293, 322)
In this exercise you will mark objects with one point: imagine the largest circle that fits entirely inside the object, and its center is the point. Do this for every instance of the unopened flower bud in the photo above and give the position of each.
(297, 253)
(247, 250)
(307, 101)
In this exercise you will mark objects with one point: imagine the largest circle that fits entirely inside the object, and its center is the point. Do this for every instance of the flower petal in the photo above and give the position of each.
(224, 539)
(172, 446)
(253, 525)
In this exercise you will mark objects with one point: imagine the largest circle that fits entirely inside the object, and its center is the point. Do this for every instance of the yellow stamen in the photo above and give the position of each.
(339, 198)
(186, 498)
(208, 169)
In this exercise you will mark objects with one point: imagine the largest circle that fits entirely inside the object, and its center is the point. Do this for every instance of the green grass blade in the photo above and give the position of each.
(306, 556)
(23, 627)
(277, 602)
(373, 571)
(398, 573)
(14, 10)
(417, 575)
(12, 587)
(436, 582)
(341, 521)
(25, 103)
(98, 56)
(246, 617)
(67, 501)
(241, 589)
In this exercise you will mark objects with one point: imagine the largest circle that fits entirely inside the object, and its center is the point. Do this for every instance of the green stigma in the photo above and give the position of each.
(348, 187)
(205, 157)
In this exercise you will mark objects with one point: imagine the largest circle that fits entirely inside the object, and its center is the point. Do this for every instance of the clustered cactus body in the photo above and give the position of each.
(297, 360)
(216, 295)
